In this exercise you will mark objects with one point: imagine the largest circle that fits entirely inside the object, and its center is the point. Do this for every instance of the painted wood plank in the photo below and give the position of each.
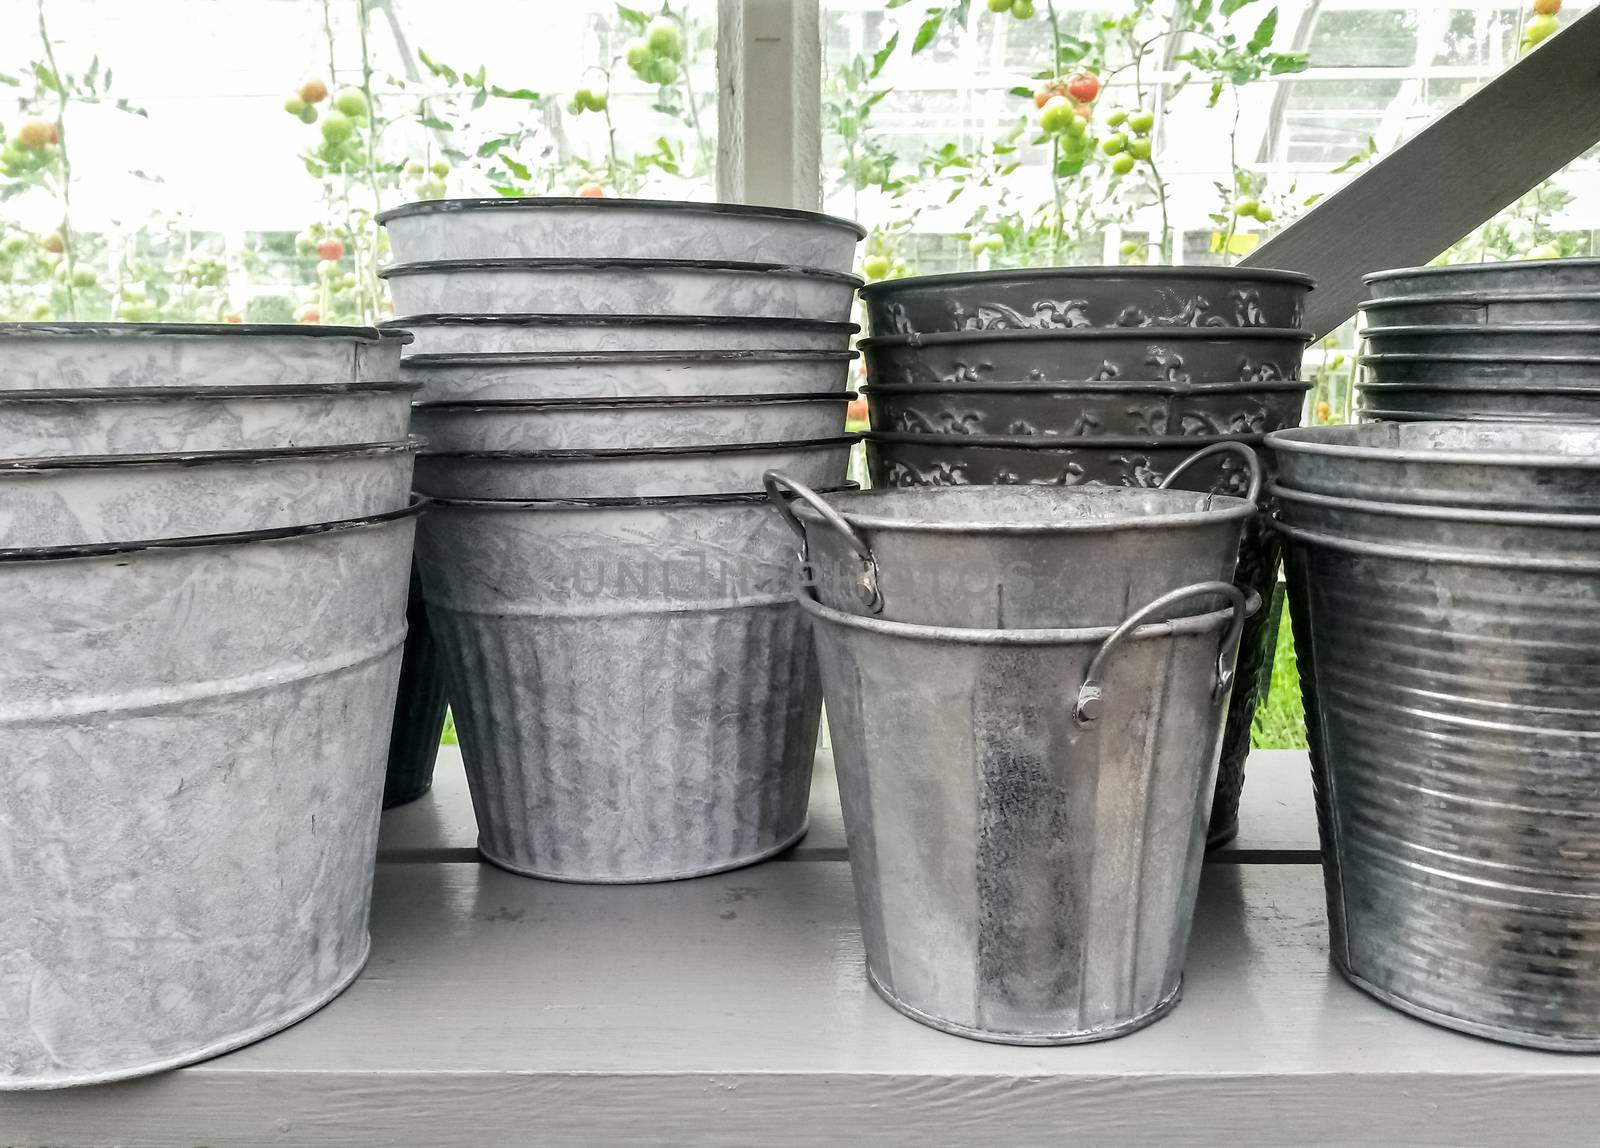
(769, 105)
(1503, 140)
(733, 1010)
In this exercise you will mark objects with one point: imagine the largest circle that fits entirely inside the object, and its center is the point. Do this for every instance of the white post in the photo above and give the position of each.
(769, 103)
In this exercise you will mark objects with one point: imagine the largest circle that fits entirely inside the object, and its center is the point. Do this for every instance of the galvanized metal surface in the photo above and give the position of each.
(1434, 309)
(420, 704)
(634, 687)
(1144, 355)
(95, 498)
(1393, 403)
(665, 472)
(1487, 370)
(593, 286)
(195, 737)
(623, 374)
(90, 356)
(150, 420)
(1061, 297)
(1500, 341)
(1513, 466)
(558, 227)
(1526, 277)
(597, 424)
(589, 334)
(1025, 865)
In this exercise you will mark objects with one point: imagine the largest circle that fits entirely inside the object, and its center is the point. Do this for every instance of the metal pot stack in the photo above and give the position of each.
(603, 383)
(204, 539)
(1484, 341)
(1096, 374)
(1444, 579)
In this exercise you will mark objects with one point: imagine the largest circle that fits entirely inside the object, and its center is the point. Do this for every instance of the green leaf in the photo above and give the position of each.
(963, 8)
(124, 106)
(436, 68)
(454, 155)
(46, 77)
(513, 93)
(893, 4)
(435, 123)
(1229, 7)
(480, 98)
(9, 80)
(1216, 91)
(1022, 92)
(881, 56)
(1286, 62)
(930, 28)
(477, 78)
(507, 191)
(637, 18)
(489, 147)
(520, 170)
(1261, 38)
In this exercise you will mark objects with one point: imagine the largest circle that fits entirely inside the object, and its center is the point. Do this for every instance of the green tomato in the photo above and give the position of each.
(1022, 9)
(337, 127)
(875, 266)
(1142, 122)
(41, 311)
(637, 53)
(327, 267)
(1055, 114)
(440, 168)
(1077, 127)
(1539, 29)
(1115, 145)
(15, 245)
(1117, 118)
(309, 116)
(431, 189)
(662, 37)
(1263, 213)
(84, 277)
(1129, 247)
(1545, 251)
(900, 268)
(1246, 207)
(665, 70)
(414, 170)
(598, 101)
(999, 5)
(1139, 148)
(351, 101)
(581, 99)
(1123, 164)
(295, 106)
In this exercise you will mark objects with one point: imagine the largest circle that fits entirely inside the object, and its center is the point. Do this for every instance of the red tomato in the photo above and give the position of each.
(1084, 87)
(330, 248)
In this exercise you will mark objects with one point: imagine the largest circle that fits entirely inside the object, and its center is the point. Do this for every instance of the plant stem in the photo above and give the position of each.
(1233, 164)
(1139, 50)
(688, 91)
(63, 165)
(1060, 222)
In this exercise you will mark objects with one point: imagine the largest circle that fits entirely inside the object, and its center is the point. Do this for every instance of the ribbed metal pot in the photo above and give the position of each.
(632, 473)
(92, 356)
(994, 557)
(1053, 297)
(588, 286)
(634, 688)
(1484, 309)
(625, 374)
(606, 228)
(592, 334)
(1487, 370)
(1452, 692)
(1026, 811)
(1502, 341)
(71, 501)
(594, 424)
(195, 740)
(1068, 357)
(1531, 277)
(160, 420)
(1511, 466)
(1087, 409)
(1390, 402)
(420, 705)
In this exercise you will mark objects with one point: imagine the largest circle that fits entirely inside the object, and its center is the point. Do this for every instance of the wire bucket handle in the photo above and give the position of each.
(776, 483)
(1252, 460)
(1091, 694)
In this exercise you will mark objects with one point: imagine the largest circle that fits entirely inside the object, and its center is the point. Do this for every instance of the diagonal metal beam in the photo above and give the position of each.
(1506, 138)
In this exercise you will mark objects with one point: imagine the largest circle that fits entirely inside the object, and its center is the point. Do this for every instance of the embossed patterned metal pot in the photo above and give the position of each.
(1501, 342)
(1511, 466)
(632, 472)
(625, 374)
(91, 356)
(592, 334)
(1485, 370)
(634, 687)
(1456, 782)
(1527, 277)
(577, 228)
(1013, 558)
(1002, 791)
(420, 705)
(195, 735)
(162, 420)
(588, 286)
(1484, 309)
(1055, 297)
(1071, 357)
(595, 424)
(1396, 403)
(1087, 409)
(87, 499)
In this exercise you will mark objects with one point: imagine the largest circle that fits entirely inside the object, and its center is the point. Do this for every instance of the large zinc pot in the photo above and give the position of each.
(161, 420)
(1482, 370)
(632, 472)
(1087, 408)
(1530, 534)
(634, 687)
(1013, 558)
(1484, 309)
(1056, 297)
(420, 706)
(594, 424)
(71, 501)
(1528, 403)
(195, 735)
(1528, 277)
(581, 228)
(91, 356)
(1512, 466)
(1000, 792)
(591, 286)
(1143, 355)
(1456, 784)
(624, 374)
(1503, 341)
(589, 334)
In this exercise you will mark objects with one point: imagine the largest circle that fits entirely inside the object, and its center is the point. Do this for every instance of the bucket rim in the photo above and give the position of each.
(1061, 442)
(1293, 440)
(549, 319)
(461, 204)
(204, 394)
(1432, 555)
(1087, 387)
(479, 359)
(628, 402)
(1387, 415)
(889, 287)
(200, 330)
(574, 453)
(1436, 512)
(1087, 335)
(618, 502)
(1456, 330)
(1488, 387)
(1478, 298)
(620, 263)
(1586, 262)
(1473, 357)
(55, 463)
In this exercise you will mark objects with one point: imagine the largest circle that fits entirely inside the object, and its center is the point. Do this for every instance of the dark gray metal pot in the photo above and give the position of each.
(1529, 277)
(1503, 342)
(1393, 402)
(1075, 357)
(1489, 370)
(420, 706)
(1484, 309)
(588, 334)
(1058, 297)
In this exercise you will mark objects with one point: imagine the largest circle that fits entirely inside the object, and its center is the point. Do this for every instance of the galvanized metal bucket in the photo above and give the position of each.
(1530, 276)
(596, 424)
(92, 356)
(195, 735)
(1481, 370)
(1013, 558)
(420, 706)
(628, 374)
(1452, 690)
(632, 472)
(1527, 403)
(1503, 341)
(164, 420)
(607, 228)
(72, 501)
(1485, 308)
(591, 286)
(634, 687)
(590, 334)
(1026, 811)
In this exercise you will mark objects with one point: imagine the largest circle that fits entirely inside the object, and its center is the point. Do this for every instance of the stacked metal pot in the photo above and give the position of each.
(1026, 758)
(1112, 375)
(603, 384)
(1444, 580)
(204, 541)
(1495, 341)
